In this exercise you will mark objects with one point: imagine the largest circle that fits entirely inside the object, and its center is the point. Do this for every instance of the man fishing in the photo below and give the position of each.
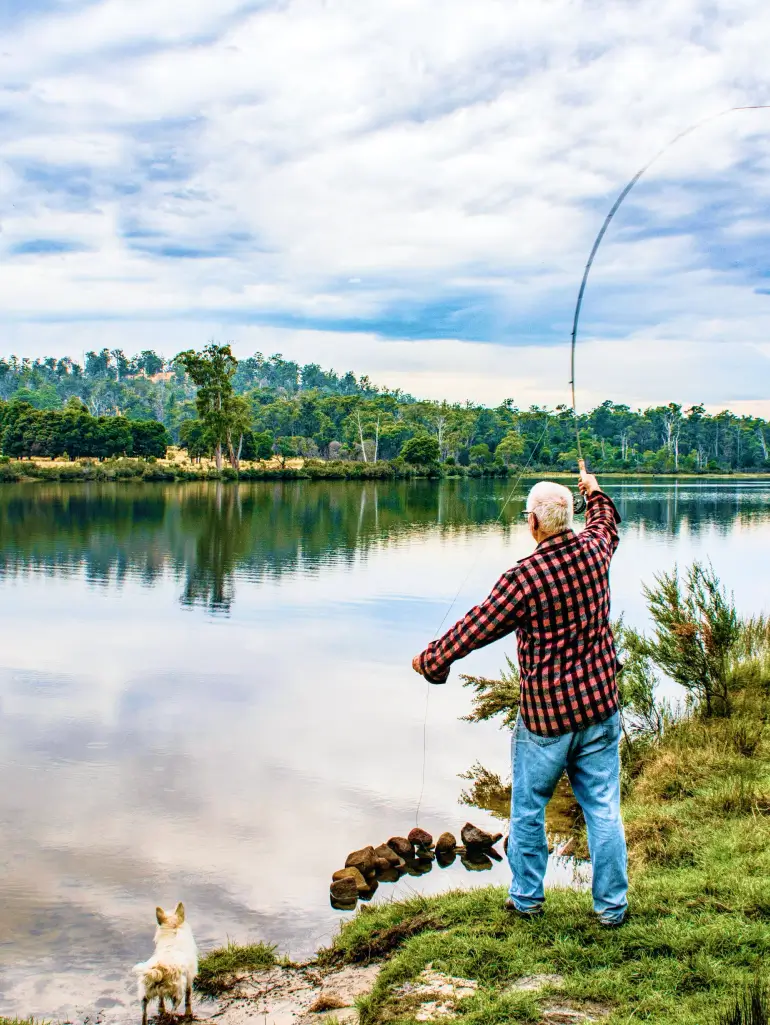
(558, 600)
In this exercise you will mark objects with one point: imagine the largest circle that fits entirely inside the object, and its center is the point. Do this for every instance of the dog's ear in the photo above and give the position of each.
(160, 915)
(180, 912)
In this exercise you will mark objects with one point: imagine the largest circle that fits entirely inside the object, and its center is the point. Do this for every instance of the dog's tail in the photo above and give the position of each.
(157, 979)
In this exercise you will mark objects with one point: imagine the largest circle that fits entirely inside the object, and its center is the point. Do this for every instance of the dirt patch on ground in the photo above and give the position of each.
(297, 996)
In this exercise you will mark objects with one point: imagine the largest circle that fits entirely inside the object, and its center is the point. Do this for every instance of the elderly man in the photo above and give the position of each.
(558, 600)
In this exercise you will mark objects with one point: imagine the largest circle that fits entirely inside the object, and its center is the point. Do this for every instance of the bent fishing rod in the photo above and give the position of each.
(602, 231)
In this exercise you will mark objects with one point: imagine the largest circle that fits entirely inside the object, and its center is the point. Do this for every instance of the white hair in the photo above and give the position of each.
(552, 504)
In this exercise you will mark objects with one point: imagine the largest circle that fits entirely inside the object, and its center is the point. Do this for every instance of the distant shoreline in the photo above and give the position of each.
(174, 471)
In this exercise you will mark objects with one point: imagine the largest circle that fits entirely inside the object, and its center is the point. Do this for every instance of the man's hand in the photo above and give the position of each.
(416, 665)
(587, 484)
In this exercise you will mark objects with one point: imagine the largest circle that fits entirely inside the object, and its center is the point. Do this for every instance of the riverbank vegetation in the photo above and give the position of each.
(696, 784)
(230, 410)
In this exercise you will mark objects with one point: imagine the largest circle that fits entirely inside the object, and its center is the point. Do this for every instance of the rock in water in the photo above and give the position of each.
(343, 905)
(476, 861)
(475, 837)
(385, 852)
(420, 838)
(370, 890)
(401, 846)
(364, 860)
(445, 843)
(352, 873)
(391, 876)
(344, 891)
(446, 858)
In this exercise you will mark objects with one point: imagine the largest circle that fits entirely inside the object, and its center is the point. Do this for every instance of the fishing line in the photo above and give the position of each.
(452, 604)
(573, 348)
(598, 241)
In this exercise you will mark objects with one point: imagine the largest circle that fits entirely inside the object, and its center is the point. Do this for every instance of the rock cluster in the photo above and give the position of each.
(413, 855)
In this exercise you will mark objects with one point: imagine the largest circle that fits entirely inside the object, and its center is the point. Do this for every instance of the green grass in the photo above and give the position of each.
(698, 825)
(219, 968)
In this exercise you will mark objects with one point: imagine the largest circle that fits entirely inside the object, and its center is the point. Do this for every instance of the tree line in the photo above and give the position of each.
(72, 431)
(217, 406)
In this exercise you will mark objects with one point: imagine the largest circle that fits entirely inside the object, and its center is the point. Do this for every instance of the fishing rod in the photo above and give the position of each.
(602, 231)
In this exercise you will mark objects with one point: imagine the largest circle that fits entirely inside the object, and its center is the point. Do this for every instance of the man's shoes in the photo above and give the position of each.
(518, 913)
(614, 923)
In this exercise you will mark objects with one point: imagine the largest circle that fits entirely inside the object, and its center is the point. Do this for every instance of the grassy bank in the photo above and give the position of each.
(124, 469)
(698, 828)
(697, 814)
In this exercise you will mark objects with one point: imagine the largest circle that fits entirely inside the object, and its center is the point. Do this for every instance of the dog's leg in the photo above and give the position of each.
(188, 1000)
(144, 1011)
(161, 1007)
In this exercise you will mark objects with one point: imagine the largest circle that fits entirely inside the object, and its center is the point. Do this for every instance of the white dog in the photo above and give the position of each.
(171, 970)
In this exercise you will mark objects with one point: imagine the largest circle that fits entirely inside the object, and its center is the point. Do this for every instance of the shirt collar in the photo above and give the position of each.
(555, 540)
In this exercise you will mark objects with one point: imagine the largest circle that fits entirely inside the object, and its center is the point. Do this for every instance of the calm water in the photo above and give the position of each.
(206, 694)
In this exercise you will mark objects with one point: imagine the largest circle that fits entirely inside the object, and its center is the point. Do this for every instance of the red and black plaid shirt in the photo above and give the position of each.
(558, 599)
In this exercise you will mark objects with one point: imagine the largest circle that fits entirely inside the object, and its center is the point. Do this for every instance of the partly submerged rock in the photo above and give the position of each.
(446, 842)
(344, 890)
(343, 905)
(370, 890)
(476, 861)
(364, 860)
(355, 875)
(381, 865)
(420, 837)
(418, 866)
(391, 876)
(401, 846)
(474, 837)
(387, 854)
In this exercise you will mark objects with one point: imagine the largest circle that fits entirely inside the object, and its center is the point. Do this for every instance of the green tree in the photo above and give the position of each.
(421, 450)
(238, 423)
(212, 370)
(510, 448)
(480, 453)
(194, 437)
(150, 438)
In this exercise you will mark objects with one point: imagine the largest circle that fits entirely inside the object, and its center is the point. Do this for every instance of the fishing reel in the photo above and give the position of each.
(578, 498)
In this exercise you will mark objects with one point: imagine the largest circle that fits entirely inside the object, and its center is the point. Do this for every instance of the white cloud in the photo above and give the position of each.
(456, 159)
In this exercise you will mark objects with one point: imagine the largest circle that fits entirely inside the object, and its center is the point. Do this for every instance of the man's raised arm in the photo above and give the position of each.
(602, 517)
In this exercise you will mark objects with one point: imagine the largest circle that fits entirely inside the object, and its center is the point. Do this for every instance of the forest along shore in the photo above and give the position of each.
(232, 411)
(179, 468)
(696, 805)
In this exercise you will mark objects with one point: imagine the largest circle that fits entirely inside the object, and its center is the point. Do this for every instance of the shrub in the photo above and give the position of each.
(696, 630)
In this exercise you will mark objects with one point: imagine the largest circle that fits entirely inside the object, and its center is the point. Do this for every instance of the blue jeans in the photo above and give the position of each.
(592, 760)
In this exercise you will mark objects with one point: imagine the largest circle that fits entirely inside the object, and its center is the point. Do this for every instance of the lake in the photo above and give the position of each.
(206, 695)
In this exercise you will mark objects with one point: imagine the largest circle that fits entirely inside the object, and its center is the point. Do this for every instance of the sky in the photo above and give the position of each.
(406, 188)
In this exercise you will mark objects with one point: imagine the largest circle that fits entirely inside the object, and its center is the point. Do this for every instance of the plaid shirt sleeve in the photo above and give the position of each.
(602, 519)
(496, 617)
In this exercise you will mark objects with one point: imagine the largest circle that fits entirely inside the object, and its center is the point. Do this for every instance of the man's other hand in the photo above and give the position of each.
(416, 664)
(587, 484)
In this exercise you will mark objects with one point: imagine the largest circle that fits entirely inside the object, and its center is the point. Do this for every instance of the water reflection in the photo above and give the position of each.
(206, 534)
